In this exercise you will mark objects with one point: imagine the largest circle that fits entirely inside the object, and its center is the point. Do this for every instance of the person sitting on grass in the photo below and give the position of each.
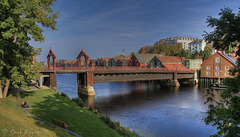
(25, 105)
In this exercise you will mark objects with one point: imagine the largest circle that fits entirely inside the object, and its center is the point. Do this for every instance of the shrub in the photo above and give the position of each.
(112, 124)
(118, 128)
(96, 112)
(90, 108)
(64, 95)
(78, 101)
(103, 118)
(107, 119)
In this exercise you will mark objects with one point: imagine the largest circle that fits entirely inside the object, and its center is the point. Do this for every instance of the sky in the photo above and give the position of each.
(103, 28)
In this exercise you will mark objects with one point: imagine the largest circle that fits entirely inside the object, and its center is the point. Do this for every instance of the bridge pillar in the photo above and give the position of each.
(175, 81)
(196, 76)
(51, 81)
(85, 83)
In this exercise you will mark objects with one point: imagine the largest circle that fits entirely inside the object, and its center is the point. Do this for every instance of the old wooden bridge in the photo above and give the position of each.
(87, 76)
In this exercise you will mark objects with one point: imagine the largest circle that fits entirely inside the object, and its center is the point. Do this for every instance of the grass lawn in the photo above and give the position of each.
(14, 122)
(48, 105)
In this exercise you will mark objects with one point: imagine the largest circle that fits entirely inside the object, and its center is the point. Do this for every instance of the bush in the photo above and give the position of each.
(64, 95)
(95, 111)
(78, 101)
(90, 108)
(112, 124)
(118, 128)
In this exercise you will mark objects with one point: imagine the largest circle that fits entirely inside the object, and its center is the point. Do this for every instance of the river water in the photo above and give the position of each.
(150, 110)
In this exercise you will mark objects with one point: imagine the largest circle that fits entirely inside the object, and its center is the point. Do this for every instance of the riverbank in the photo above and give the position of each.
(14, 122)
(48, 105)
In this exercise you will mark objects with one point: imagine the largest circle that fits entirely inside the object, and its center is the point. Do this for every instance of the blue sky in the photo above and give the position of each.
(103, 28)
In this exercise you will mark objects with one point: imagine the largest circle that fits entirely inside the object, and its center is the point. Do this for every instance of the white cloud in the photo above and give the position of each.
(127, 35)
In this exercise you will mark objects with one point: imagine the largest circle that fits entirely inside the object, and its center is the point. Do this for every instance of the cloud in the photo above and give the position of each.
(127, 35)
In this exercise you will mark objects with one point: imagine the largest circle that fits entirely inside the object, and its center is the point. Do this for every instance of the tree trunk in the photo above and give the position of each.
(6, 86)
(1, 94)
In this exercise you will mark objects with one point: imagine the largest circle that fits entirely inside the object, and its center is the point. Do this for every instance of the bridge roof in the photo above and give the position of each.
(51, 53)
(145, 57)
(169, 59)
(175, 66)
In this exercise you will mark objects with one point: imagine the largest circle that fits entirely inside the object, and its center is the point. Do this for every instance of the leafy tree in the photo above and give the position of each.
(163, 48)
(175, 49)
(225, 114)
(184, 53)
(207, 52)
(19, 22)
(196, 55)
(146, 49)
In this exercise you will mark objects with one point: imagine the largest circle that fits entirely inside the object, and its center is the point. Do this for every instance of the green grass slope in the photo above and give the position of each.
(48, 105)
(14, 122)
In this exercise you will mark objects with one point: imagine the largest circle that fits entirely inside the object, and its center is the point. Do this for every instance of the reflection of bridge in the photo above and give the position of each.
(87, 76)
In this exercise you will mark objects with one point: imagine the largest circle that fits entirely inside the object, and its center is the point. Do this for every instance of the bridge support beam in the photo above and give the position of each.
(175, 81)
(196, 76)
(51, 81)
(85, 83)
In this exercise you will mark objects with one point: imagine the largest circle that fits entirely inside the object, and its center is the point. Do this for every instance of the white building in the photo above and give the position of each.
(197, 45)
(174, 40)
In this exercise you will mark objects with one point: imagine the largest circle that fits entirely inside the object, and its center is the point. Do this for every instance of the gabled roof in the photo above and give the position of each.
(169, 60)
(82, 53)
(175, 66)
(228, 57)
(51, 53)
(144, 57)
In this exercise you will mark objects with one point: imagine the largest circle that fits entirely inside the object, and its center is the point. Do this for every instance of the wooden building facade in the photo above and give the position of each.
(218, 65)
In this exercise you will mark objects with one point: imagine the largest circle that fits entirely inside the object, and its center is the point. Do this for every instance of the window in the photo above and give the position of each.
(217, 73)
(226, 73)
(217, 59)
(207, 73)
(217, 67)
(196, 66)
(226, 68)
(208, 67)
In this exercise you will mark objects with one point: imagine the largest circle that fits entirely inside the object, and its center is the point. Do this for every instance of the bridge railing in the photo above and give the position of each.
(99, 68)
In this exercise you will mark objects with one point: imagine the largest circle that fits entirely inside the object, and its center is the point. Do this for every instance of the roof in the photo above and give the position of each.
(228, 57)
(51, 53)
(175, 66)
(196, 41)
(169, 59)
(144, 57)
(93, 60)
(82, 53)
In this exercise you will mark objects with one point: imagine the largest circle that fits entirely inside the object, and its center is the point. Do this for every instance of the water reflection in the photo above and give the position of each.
(152, 110)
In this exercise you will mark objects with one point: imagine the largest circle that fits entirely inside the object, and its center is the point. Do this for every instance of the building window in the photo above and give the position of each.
(217, 59)
(226, 73)
(208, 67)
(217, 73)
(217, 67)
(137, 64)
(207, 73)
(226, 68)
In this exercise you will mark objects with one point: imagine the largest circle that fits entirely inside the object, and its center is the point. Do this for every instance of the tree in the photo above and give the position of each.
(207, 52)
(175, 49)
(184, 53)
(18, 21)
(225, 114)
